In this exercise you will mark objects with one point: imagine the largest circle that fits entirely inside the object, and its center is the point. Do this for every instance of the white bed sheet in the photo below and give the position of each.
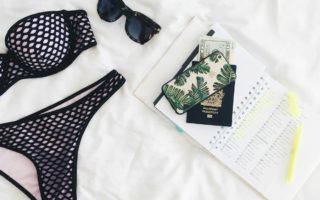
(129, 152)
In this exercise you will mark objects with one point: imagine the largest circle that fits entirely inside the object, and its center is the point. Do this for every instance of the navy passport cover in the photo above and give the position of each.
(216, 109)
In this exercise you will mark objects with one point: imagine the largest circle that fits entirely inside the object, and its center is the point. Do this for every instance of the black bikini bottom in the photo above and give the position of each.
(50, 138)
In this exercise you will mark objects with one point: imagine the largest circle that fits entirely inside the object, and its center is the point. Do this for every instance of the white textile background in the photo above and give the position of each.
(128, 152)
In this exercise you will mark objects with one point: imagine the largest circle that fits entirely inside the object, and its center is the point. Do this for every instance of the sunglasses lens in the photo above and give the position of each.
(139, 30)
(109, 10)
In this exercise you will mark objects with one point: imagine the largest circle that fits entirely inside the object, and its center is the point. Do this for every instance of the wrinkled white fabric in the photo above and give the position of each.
(128, 151)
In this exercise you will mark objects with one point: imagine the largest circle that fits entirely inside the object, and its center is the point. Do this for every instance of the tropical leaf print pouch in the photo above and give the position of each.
(198, 82)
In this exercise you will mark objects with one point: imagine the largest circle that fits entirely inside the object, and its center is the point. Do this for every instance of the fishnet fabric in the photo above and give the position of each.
(43, 44)
(1, 69)
(51, 138)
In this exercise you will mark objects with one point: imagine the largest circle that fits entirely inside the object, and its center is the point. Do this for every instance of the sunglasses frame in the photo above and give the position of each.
(128, 12)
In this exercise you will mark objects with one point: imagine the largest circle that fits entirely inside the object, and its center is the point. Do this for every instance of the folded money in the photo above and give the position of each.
(209, 44)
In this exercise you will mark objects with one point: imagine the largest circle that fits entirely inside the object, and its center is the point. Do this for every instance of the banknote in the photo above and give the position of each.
(209, 44)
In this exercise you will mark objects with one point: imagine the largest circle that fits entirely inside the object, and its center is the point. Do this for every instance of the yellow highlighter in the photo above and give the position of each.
(293, 104)
(295, 112)
(294, 151)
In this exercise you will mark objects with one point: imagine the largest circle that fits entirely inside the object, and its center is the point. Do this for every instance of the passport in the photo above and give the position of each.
(217, 109)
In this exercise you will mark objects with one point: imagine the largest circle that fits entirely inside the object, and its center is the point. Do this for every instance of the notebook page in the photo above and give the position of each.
(258, 148)
(262, 132)
(259, 143)
(270, 181)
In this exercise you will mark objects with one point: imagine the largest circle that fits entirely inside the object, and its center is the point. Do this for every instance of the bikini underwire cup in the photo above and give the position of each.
(43, 44)
(51, 137)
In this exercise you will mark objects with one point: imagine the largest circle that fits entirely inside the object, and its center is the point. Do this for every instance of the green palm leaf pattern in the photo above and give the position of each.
(215, 57)
(225, 78)
(182, 78)
(180, 100)
(199, 92)
(201, 68)
(176, 96)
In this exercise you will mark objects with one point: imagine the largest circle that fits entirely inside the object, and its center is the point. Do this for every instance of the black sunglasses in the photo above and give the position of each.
(139, 27)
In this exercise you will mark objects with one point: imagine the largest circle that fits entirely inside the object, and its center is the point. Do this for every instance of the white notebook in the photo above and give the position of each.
(258, 145)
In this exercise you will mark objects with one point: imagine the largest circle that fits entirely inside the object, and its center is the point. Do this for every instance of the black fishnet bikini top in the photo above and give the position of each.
(43, 44)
